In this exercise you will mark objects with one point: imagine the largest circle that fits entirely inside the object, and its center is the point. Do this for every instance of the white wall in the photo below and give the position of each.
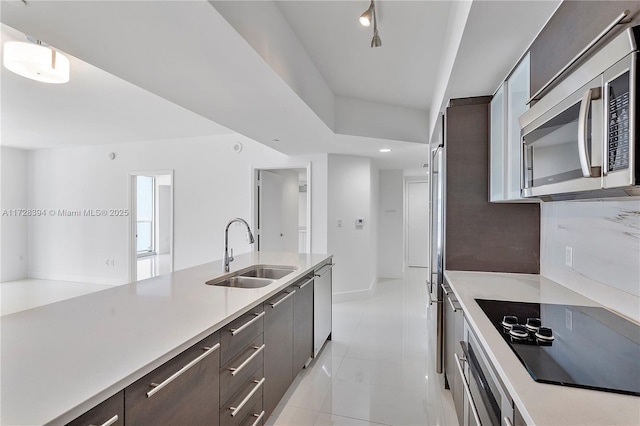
(390, 224)
(318, 185)
(605, 237)
(212, 184)
(352, 191)
(13, 229)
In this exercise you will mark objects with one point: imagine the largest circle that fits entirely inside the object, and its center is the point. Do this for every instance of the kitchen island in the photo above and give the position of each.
(62, 359)
(538, 403)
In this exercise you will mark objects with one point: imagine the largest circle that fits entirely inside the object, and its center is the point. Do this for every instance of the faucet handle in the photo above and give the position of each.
(231, 259)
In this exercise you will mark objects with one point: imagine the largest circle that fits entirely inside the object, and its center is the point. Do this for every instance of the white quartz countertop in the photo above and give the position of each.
(539, 403)
(59, 360)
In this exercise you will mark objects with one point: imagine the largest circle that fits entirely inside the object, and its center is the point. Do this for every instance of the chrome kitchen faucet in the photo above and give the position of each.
(229, 258)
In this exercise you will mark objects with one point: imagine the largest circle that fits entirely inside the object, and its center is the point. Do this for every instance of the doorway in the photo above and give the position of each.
(282, 214)
(417, 223)
(151, 226)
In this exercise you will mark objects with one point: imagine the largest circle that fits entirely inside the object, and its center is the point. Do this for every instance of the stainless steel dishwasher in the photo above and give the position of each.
(322, 289)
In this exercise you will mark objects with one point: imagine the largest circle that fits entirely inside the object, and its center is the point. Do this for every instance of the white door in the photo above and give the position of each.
(270, 211)
(418, 224)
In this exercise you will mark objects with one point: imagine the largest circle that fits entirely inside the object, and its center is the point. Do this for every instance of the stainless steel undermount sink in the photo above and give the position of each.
(241, 282)
(270, 272)
(256, 276)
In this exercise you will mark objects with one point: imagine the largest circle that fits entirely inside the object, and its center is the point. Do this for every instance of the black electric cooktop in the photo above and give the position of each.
(580, 346)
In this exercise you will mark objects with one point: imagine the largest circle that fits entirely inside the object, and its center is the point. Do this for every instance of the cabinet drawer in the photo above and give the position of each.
(239, 406)
(255, 416)
(239, 369)
(236, 335)
(108, 413)
(184, 390)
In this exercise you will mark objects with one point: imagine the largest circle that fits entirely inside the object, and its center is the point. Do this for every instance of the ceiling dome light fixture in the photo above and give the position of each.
(365, 20)
(385, 150)
(37, 61)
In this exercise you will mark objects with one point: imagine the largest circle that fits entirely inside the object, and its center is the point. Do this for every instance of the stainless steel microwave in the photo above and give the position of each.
(580, 141)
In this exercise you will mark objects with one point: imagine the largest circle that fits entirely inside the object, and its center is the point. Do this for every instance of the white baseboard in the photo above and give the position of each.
(77, 278)
(348, 296)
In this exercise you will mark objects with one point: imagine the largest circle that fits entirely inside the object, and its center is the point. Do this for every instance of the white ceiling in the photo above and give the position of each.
(401, 72)
(146, 92)
(95, 107)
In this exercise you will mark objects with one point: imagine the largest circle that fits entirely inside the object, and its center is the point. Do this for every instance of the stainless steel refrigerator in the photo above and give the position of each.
(436, 235)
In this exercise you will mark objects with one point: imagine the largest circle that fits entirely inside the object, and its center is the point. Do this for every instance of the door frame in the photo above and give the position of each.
(131, 249)
(255, 173)
(407, 181)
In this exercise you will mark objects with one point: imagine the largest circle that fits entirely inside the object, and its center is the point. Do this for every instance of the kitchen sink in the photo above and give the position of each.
(241, 282)
(270, 272)
(256, 276)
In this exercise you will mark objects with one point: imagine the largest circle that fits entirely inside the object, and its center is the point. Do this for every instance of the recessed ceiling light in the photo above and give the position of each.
(385, 150)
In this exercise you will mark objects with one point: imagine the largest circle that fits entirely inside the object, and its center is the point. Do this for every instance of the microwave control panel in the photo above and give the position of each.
(618, 124)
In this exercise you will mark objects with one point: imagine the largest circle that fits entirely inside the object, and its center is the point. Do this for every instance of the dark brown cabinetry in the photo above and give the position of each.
(278, 353)
(242, 376)
(236, 376)
(302, 324)
(184, 390)
(236, 335)
(482, 236)
(108, 413)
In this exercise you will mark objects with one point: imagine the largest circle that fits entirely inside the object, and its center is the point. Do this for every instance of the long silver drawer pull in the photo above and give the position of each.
(445, 288)
(258, 418)
(236, 410)
(508, 421)
(301, 286)
(273, 305)
(453, 305)
(158, 386)
(235, 331)
(324, 269)
(467, 390)
(109, 422)
(236, 370)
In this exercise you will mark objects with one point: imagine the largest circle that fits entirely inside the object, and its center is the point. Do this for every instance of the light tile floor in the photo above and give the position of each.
(379, 367)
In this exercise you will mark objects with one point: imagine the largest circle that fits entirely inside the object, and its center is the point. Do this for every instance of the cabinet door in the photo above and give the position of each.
(278, 351)
(517, 97)
(322, 301)
(183, 391)
(454, 329)
(240, 369)
(302, 324)
(236, 335)
(497, 148)
(108, 413)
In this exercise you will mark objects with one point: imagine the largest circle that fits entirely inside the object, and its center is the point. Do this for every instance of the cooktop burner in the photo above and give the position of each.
(580, 346)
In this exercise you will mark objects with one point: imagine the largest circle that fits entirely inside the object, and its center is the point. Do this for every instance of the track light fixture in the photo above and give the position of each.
(365, 20)
(366, 17)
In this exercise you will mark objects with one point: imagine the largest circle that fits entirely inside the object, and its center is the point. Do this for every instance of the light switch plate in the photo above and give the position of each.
(568, 256)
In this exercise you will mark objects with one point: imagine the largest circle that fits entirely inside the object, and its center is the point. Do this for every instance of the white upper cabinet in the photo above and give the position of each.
(507, 105)
(497, 145)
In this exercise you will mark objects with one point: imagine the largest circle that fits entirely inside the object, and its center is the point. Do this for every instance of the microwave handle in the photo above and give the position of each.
(583, 137)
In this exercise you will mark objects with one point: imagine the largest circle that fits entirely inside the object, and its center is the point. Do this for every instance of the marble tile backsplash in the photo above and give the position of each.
(605, 240)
